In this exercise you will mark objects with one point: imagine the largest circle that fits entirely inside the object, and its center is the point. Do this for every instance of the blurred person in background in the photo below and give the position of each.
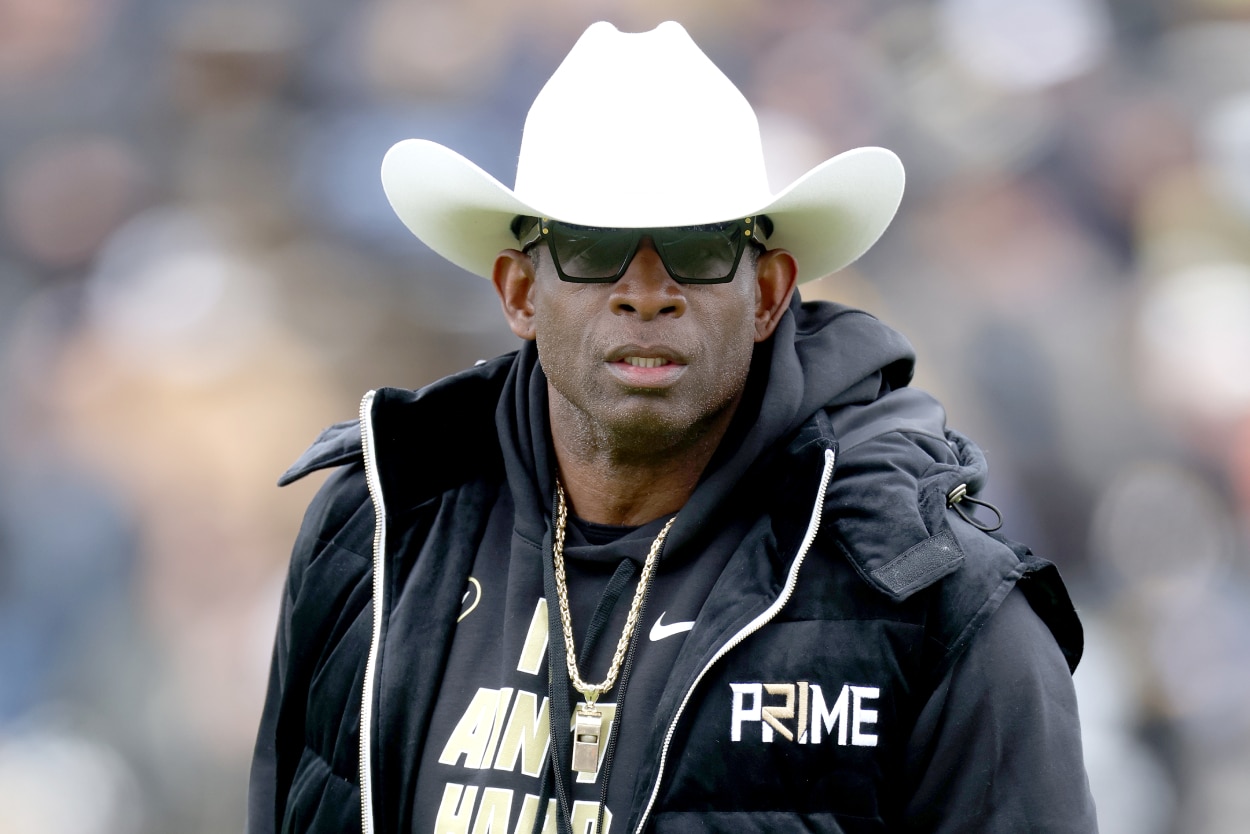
(762, 533)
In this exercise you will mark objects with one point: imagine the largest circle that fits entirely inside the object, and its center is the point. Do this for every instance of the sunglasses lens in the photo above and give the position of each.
(701, 254)
(692, 254)
(586, 254)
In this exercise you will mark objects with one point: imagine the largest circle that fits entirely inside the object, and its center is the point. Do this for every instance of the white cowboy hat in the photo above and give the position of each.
(641, 130)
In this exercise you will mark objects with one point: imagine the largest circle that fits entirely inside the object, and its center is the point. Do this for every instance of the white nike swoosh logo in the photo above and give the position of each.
(659, 631)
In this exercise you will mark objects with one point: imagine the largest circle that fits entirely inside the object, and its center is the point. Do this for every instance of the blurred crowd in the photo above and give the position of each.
(199, 270)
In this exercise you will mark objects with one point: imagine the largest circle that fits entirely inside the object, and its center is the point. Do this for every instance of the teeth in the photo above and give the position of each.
(645, 361)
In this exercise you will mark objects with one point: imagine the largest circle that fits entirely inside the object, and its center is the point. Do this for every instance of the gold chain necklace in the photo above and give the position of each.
(588, 726)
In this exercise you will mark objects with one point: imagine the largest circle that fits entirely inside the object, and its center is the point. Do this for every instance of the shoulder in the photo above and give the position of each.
(450, 417)
(899, 467)
(895, 517)
(335, 540)
(340, 504)
(423, 442)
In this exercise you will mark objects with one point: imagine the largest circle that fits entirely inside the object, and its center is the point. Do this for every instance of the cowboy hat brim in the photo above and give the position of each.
(827, 218)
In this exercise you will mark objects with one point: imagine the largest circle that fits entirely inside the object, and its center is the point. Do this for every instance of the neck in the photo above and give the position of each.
(629, 481)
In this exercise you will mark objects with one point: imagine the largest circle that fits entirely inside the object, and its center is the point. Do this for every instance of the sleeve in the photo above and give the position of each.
(262, 782)
(998, 745)
(278, 739)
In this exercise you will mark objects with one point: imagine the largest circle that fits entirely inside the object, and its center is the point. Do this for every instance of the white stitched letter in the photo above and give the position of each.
(864, 716)
(740, 713)
(822, 717)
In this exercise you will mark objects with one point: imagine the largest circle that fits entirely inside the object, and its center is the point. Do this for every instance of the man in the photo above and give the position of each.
(694, 557)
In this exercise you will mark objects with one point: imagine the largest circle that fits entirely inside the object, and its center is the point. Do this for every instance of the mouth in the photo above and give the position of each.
(646, 368)
(643, 356)
(646, 361)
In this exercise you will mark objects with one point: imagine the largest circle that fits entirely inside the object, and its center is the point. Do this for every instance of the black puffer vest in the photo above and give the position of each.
(854, 587)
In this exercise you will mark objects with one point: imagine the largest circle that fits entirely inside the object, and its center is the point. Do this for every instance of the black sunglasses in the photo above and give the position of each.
(706, 254)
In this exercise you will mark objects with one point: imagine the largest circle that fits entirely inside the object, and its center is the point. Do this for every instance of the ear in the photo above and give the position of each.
(513, 277)
(776, 275)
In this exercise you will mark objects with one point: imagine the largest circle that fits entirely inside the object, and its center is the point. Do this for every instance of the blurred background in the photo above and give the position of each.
(199, 270)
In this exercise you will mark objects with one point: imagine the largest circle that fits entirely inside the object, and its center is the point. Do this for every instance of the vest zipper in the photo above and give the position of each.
(379, 544)
(750, 628)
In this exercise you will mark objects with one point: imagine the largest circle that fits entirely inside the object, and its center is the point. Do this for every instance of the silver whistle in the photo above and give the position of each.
(587, 727)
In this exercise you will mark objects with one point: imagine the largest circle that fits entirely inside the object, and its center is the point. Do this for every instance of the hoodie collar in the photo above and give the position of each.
(829, 372)
(822, 355)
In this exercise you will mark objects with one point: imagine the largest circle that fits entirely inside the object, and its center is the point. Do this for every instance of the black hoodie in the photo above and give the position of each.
(829, 585)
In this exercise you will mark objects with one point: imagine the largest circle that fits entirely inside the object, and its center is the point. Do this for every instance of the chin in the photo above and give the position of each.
(655, 429)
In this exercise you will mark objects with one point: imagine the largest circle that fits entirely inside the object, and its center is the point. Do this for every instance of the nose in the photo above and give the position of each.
(646, 289)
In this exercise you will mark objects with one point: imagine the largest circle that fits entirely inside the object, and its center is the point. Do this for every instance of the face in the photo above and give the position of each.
(645, 364)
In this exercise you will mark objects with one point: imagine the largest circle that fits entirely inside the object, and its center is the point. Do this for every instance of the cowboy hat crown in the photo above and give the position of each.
(641, 130)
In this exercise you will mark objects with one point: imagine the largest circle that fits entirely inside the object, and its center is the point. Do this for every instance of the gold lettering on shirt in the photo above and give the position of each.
(529, 807)
(535, 648)
(501, 712)
(527, 734)
(455, 811)
(492, 813)
(802, 712)
(583, 817)
(476, 733)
